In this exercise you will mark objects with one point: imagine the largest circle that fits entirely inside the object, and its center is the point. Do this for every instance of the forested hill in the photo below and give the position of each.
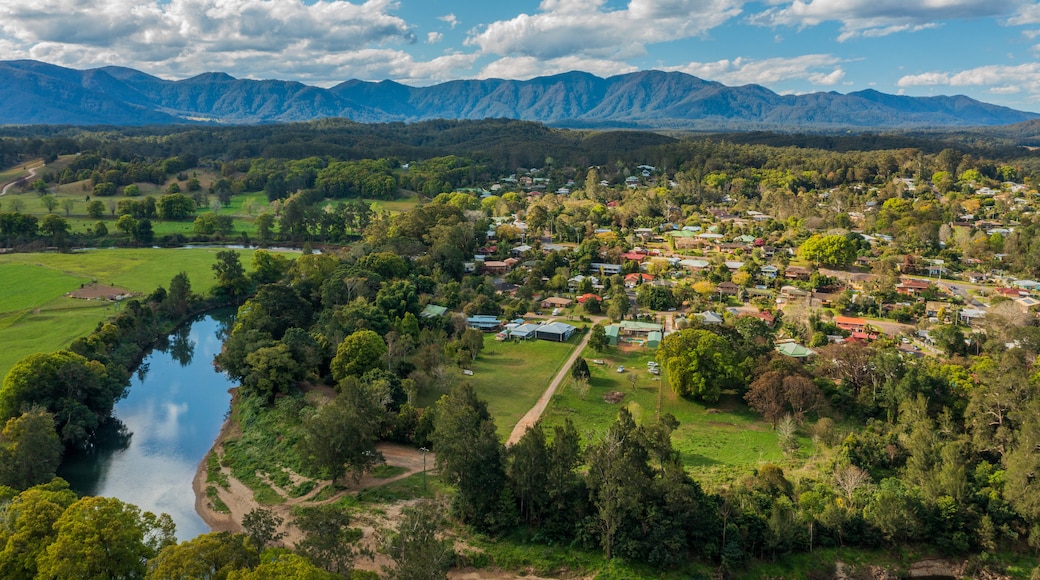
(33, 92)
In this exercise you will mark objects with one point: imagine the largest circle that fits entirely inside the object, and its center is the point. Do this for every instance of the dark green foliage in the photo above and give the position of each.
(470, 456)
(261, 526)
(329, 541)
(580, 370)
(30, 450)
(212, 556)
(340, 437)
(417, 551)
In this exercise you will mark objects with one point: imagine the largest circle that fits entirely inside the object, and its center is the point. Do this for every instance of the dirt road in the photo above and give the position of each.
(26, 179)
(532, 416)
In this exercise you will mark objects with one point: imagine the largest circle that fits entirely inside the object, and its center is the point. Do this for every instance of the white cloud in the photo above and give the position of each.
(997, 79)
(874, 18)
(450, 19)
(286, 39)
(434, 37)
(587, 29)
(818, 69)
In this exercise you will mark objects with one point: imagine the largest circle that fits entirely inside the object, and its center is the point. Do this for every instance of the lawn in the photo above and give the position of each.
(511, 376)
(404, 202)
(718, 442)
(35, 316)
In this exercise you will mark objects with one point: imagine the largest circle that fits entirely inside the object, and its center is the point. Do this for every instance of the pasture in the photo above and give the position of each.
(718, 442)
(35, 314)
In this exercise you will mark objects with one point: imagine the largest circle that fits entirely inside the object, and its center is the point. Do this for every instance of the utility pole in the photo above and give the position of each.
(424, 452)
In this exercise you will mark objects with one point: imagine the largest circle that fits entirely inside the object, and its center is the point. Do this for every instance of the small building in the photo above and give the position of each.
(586, 297)
(797, 273)
(971, 316)
(496, 267)
(708, 317)
(851, 324)
(484, 323)
(524, 331)
(556, 302)
(728, 288)
(433, 311)
(653, 339)
(613, 331)
(911, 287)
(555, 331)
(794, 350)
(635, 278)
(605, 269)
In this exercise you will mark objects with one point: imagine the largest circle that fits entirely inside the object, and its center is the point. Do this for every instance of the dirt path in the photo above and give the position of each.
(26, 179)
(532, 416)
(240, 499)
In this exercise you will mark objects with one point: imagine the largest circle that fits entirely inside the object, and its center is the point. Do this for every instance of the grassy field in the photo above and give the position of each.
(35, 315)
(718, 442)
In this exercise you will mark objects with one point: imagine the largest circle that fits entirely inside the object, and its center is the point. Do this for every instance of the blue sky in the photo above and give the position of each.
(986, 49)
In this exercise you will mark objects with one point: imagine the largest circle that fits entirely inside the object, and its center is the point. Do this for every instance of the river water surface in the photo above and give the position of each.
(166, 425)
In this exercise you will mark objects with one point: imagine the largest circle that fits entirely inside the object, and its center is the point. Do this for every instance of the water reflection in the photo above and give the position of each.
(162, 429)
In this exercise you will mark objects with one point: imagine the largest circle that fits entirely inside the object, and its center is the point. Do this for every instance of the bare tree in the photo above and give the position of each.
(849, 478)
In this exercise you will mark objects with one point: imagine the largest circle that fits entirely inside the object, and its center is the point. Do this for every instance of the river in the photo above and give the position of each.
(164, 427)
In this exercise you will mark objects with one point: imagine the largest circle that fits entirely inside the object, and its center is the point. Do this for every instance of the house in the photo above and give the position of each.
(693, 264)
(586, 297)
(768, 272)
(851, 324)
(728, 288)
(633, 279)
(496, 267)
(605, 269)
(524, 331)
(1013, 293)
(634, 256)
(734, 265)
(971, 316)
(555, 331)
(1027, 303)
(797, 273)
(708, 318)
(911, 287)
(556, 302)
(789, 292)
(794, 350)
(484, 323)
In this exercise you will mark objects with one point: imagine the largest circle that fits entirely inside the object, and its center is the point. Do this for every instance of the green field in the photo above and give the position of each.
(718, 442)
(35, 315)
(511, 376)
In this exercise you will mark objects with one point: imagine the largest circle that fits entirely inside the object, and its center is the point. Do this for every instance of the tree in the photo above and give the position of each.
(417, 552)
(340, 437)
(271, 371)
(77, 391)
(28, 526)
(261, 525)
(49, 202)
(529, 472)
(832, 250)
(103, 537)
(470, 456)
(359, 353)
(329, 541)
(213, 556)
(280, 564)
(580, 369)
(599, 340)
(68, 204)
(56, 227)
(231, 276)
(96, 209)
(948, 337)
(766, 395)
(618, 478)
(699, 363)
(264, 226)
(30, 450)
(127, 224)
(132, 190)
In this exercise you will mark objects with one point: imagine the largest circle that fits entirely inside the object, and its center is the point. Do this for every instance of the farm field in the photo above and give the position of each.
(718, 442)
(510, 376)
(35, 315)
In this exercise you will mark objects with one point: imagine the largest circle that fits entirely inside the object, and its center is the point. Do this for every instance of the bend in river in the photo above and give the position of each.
(167, 423)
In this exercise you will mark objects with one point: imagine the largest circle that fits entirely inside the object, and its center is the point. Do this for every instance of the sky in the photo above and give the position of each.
(986, 49)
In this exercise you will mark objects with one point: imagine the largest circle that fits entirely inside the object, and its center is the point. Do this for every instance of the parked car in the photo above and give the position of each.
(621, 369)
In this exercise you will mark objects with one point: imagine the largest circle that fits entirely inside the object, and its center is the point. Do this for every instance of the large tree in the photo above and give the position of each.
(77, 391)
(357, 354)
(103, 537)
(700, 363)
(30, 450)
(414, 546)
(340, 437)
(470, 456)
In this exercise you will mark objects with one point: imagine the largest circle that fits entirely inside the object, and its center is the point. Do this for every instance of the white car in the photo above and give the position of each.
(621, 369)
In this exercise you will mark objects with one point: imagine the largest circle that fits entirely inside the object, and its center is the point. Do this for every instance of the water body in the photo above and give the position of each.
(164, 427)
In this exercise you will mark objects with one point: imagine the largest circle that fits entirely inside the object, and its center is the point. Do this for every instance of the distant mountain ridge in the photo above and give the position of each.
(33, 92)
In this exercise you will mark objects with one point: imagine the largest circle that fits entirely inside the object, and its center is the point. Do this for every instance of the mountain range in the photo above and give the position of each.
(33, 92)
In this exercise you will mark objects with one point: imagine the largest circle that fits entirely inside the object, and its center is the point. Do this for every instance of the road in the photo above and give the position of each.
(26, 179)
(532, 416)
